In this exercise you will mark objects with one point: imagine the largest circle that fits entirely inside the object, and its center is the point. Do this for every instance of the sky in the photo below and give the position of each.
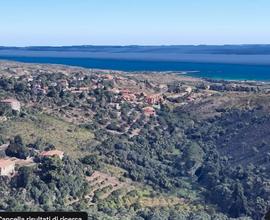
(133, 22)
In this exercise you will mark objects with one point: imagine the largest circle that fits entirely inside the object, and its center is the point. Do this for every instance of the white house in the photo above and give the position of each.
(7, 167)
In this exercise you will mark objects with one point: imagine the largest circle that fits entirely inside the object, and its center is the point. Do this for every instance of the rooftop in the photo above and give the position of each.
(52, 153)
(4, 163)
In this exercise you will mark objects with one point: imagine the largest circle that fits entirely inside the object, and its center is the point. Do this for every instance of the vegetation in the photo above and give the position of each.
(48, 129)
(202, 159)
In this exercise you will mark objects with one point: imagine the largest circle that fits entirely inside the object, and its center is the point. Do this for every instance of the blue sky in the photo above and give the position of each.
(129, 22)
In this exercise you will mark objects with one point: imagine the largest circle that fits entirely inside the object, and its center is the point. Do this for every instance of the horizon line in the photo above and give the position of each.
(134, 45)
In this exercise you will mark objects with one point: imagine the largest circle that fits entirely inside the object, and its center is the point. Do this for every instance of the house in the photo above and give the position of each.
(162, 88)
(203, 86)
(64, 83)
(14, 104)
(114, 90)
(80, 78)
(149, 111)
(188, 90)
(115, 106)
(38, 89)
(53, 84)
(3, 118)
(125, 91)
(72, 88)
(30, 79)
(84, 89)
(191, 99)
(120, 78)
(100, 86)
(128, 97)
(93, 87)
(52, 153)
(75, 90)
(107, 76)
(153, 99)
(7, 167)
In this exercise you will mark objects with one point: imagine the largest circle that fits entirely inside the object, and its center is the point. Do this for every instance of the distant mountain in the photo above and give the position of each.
(232, 54)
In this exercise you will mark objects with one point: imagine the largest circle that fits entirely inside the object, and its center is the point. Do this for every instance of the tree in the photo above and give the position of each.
(239, 202)
(91, 160)
(19, 87)
(24, 177)
(267, 216)
(17, 148)
(52, 93)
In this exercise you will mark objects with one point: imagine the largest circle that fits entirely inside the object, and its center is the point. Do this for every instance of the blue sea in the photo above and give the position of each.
(205, 70)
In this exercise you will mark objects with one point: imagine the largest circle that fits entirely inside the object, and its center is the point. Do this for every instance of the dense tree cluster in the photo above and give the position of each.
(17, 148)
(48, 186)
(193, 150)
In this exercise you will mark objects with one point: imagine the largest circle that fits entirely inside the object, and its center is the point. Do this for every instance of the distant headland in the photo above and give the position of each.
(233, 54)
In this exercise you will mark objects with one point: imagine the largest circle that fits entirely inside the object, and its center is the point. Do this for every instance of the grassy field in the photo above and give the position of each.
(63, 135)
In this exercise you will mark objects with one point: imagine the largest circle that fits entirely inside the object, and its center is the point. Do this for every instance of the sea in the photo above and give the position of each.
(225, 71)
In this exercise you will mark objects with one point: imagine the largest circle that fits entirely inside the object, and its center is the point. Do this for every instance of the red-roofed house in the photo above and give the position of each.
(7, 167)
(149, 111)
(52, 153)
(128, 97)
(154, 99)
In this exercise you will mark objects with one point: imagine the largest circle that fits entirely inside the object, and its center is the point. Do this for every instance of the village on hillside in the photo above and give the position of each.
(144, 94)
(131, 140)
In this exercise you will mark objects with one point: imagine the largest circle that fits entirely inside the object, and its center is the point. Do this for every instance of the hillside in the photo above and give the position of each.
(133, 145)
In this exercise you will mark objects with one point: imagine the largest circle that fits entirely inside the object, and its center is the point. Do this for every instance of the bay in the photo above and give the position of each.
(224, 71)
